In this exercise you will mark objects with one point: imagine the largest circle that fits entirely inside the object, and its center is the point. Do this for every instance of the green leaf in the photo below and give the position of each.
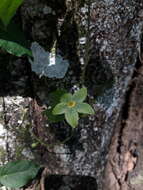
(12, 39)
(17, 174)
(72, 117)
(80, 95)
(66, 98)
(59, 109)
(14, 33)
(8, 9)
(84, 108)
(55, 96)
(53, 118)
(14, 48)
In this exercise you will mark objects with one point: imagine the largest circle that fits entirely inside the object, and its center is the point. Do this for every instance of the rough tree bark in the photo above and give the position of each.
(106, 149)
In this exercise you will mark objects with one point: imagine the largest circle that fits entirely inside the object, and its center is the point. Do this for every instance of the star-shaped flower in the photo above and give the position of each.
(71, 105)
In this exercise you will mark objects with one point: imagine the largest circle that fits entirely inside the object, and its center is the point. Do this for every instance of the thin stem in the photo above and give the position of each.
(40, 141)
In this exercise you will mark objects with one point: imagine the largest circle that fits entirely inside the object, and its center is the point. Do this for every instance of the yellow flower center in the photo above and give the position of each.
(71, 104)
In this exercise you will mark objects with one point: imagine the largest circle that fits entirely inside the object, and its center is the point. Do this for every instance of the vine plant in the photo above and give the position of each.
(63, 106)
(71, 105)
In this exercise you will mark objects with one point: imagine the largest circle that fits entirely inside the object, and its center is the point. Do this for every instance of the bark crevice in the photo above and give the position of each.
(124, 166)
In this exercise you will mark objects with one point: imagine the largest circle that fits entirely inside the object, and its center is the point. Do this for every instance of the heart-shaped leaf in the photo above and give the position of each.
(8, 9)
(14, 48)
(17, 174)
(42, 63)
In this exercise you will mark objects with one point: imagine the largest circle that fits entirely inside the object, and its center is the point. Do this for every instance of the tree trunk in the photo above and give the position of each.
(124, 166)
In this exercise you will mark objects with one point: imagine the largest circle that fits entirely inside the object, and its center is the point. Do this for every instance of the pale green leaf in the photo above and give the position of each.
(84, 108)
(17, 174)
(72, 117)
(14, 48)
(8, 9)
(59, 109)
(66, 98)
(80, 95)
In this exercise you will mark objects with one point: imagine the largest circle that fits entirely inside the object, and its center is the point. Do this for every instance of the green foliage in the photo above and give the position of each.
(53, 118)
(63, 105)
(71, 105)
(17, 174)
(54, 98)
(11, 38)
(14, 48)
(80, 95)
(72, 117)
(13, 33)
(8, 9)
